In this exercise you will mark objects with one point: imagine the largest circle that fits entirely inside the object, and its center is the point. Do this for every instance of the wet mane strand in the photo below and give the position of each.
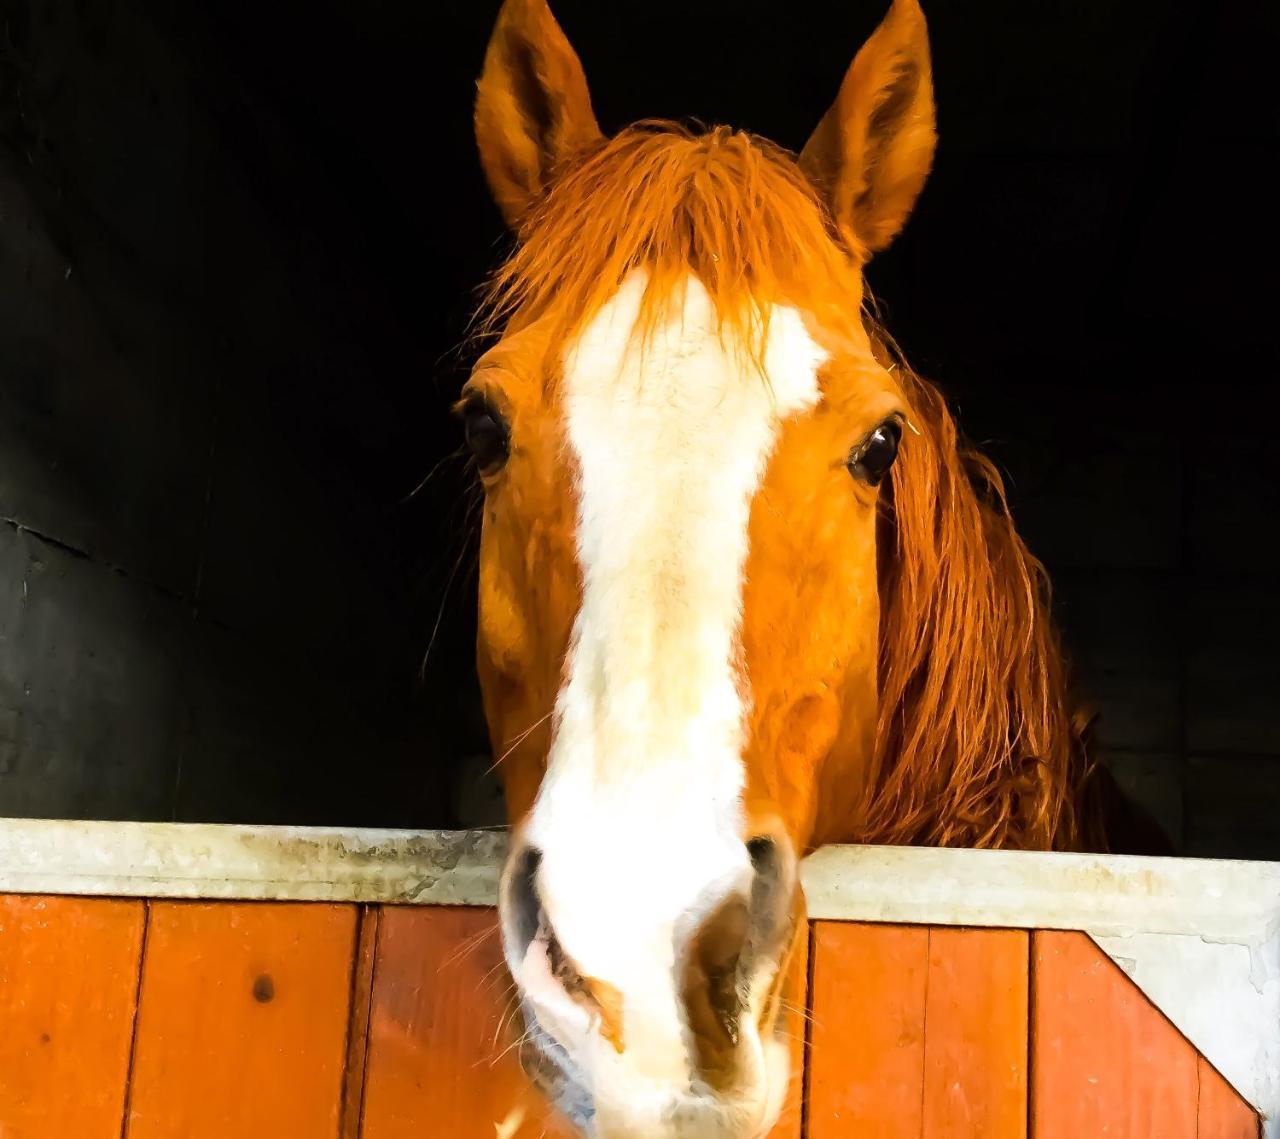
(976, 742)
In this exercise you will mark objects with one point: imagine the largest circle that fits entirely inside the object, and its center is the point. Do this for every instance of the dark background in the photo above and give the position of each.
(238, 246)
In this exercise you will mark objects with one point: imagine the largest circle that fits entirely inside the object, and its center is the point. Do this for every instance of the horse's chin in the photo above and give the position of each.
(749, 1112)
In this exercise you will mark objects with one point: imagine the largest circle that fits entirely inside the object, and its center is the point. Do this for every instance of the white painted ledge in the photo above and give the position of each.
(311, 864)
(1201, 937)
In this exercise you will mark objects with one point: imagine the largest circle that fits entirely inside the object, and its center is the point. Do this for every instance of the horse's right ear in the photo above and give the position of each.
(533, 109)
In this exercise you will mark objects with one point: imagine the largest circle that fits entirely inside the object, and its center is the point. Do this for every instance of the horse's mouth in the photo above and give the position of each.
(700, 1112)
(548, 1064)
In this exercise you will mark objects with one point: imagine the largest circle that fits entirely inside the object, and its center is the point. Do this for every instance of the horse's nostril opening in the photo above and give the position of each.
(772, 888)
(527, 921)
(762, 848)
(523, 910)
(528, 932)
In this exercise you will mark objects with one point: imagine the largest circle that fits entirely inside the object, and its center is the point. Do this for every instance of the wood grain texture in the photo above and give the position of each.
(1105, 1061)
(1221, 1112)
(866, 1060)
(242, 1021)
(440, 1033)
(68, 986)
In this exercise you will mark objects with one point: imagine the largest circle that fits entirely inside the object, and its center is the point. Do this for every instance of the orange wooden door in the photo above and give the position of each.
(287, 1021)
(68, 984)
(918, 1033)
(242, 1021)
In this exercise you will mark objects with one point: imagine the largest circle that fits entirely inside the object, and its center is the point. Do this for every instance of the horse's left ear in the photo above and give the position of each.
(533, 109)
(872, 151)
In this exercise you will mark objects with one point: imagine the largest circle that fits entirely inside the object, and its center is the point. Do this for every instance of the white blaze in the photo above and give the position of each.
(639, 819)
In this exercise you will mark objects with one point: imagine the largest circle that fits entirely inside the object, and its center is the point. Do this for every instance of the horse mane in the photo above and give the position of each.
(976, 743)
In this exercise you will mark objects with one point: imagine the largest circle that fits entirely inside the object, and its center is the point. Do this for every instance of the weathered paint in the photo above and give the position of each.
(301, 864)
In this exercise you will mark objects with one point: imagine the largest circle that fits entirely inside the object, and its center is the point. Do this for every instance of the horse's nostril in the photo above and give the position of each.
(712, 985)
(772, 897)
(529, 936)
(741, 941)
(522, 913)
(527, 921)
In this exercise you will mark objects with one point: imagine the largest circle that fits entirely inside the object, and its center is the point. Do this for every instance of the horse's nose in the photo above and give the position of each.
(720, 956)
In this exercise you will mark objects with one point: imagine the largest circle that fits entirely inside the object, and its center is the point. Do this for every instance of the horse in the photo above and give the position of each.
(743, 589)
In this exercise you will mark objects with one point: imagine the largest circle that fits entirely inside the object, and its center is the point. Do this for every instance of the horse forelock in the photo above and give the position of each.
(725, 207)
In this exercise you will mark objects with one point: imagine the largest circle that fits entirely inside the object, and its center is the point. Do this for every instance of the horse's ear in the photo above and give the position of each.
(533, 109)
(873, 149)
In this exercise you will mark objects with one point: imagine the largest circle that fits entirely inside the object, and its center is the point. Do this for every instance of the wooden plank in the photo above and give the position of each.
(441, 1060)
(1105, 1061)
(68, 987)
(242, 1021)
(1221, 1111)
(867, 1035)
(975, 1046)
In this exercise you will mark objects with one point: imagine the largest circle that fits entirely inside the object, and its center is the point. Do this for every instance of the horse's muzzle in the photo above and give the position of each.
(679, 1039)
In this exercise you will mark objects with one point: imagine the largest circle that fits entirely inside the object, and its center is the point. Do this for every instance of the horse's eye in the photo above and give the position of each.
(486, 432)
(871, 459)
